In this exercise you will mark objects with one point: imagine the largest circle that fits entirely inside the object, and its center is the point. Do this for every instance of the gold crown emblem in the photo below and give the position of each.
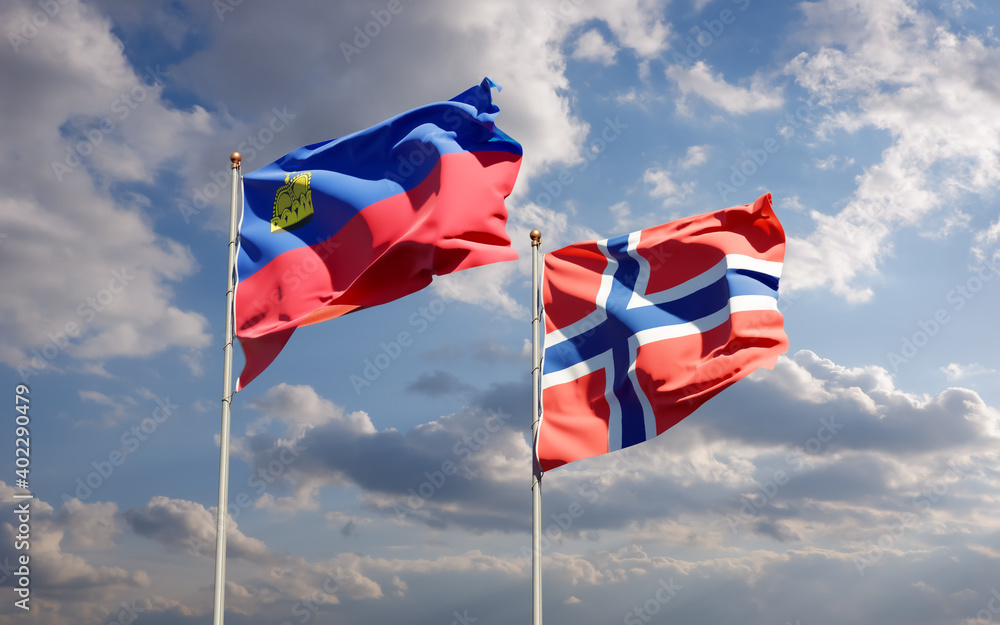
(293, 206)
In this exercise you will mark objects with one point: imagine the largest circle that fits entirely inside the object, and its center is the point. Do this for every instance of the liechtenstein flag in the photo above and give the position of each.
(368, 218)
(643, 329)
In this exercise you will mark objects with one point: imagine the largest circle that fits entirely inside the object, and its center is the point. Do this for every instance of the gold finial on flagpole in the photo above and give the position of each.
(536, 238)
(235, 157)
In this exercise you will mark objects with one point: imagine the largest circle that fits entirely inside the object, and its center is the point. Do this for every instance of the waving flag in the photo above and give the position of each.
(643, 329)
(368, 218)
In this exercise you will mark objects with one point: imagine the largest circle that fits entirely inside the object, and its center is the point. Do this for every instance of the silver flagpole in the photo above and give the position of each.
(536, 480)
(227, 395)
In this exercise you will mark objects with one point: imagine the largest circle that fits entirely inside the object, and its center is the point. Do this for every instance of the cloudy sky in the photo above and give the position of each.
(856, 482)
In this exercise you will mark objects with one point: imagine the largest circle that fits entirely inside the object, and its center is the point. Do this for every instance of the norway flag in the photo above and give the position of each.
(643, 329)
